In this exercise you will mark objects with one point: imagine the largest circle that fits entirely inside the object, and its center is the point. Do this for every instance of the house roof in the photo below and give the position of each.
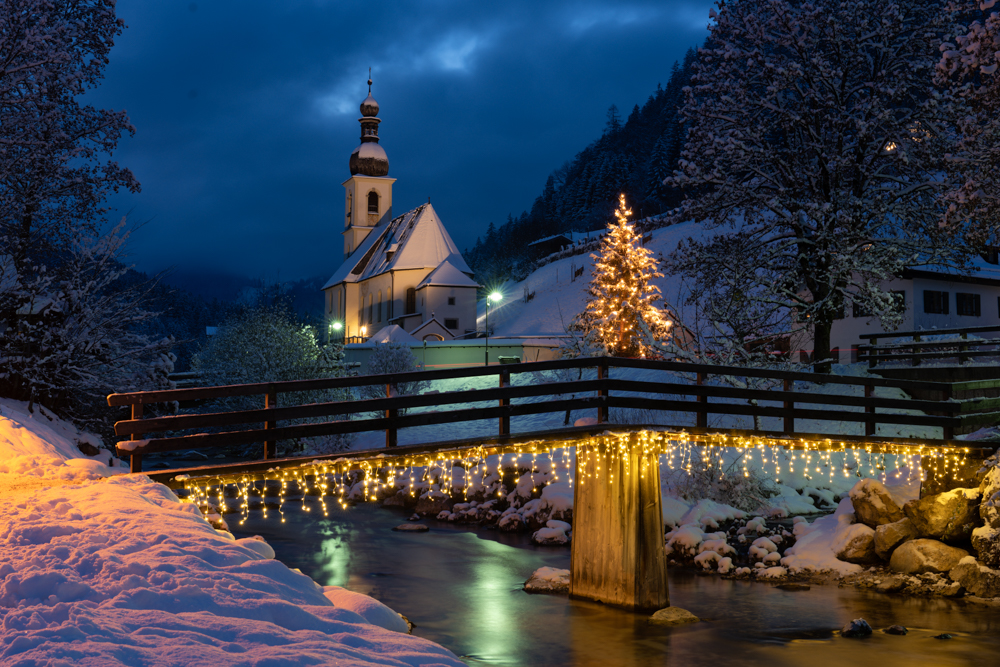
(392, 334)
(447, 275)
(415, 240)
(432, 326)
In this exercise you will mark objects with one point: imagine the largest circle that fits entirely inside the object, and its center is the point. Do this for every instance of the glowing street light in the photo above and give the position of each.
(496, 297)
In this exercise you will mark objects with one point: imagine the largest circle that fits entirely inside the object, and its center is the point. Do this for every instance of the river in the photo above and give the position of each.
(461, 587)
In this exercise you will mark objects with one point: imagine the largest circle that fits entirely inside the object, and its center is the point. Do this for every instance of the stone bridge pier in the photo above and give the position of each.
(617, 549)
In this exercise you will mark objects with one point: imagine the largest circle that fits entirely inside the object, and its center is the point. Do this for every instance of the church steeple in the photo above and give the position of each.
(369, 159)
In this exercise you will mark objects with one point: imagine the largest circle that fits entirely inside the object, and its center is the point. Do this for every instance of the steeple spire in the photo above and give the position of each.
(369, 159)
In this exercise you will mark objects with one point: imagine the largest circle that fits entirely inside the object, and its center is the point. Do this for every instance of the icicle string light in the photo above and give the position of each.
(356, 479)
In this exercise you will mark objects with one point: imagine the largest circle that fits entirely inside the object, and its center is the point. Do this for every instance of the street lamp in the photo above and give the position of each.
(497, 297)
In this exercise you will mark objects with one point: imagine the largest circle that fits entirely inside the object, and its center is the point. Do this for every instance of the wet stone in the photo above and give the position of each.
(791, 586)
(895, 630)
(857, 628)
(412, 528)
(673, 616)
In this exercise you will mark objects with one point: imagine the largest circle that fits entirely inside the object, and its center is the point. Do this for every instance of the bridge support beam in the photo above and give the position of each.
(617, 550)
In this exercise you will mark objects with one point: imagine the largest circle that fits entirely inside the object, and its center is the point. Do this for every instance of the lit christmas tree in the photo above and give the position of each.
(621, 317)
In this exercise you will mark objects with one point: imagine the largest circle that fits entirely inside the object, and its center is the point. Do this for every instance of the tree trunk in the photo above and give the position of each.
(822, 363)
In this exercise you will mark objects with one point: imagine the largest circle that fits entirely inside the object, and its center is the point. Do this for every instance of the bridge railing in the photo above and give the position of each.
(680, 395)
(928, 346)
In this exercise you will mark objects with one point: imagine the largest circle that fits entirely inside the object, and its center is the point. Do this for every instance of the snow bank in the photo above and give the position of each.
(120, 572)
(39, 444)
(815, 549)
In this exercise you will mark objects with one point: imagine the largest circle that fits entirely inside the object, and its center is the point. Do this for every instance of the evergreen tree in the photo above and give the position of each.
(621, 316)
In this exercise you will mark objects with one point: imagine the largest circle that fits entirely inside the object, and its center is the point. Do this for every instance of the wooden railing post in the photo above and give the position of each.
(870, 423)
(505, 402)
(789, 405)
(270, 402)
(390, 414)
(915, 360)
(948, 432)
(962, 349)
(135, 461)
(602, 393)
(701, 419)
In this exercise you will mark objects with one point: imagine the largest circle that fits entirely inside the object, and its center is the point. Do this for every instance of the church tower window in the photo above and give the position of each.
(373, 202)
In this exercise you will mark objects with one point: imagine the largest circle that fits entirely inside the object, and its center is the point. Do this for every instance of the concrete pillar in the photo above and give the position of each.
(617, 550)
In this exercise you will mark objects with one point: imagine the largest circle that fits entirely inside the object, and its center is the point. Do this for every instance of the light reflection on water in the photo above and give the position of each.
(461, 587)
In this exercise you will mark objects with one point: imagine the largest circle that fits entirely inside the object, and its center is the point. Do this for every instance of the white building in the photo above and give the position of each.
(933, 299)
(404, 270)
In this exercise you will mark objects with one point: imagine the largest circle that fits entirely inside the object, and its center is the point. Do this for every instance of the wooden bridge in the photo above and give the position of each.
(617, 550)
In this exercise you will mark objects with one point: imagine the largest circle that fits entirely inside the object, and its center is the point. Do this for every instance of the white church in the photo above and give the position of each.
(402, 277)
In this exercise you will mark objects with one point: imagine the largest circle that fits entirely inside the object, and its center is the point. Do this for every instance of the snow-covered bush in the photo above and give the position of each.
(391, 358)
(268, 344)
(707, 476)
(71, 339)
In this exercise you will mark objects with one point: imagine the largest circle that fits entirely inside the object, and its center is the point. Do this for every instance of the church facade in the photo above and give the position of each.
(404, 270)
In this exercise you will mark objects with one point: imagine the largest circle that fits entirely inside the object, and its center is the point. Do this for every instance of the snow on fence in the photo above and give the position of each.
(690, 392)
(915, 347)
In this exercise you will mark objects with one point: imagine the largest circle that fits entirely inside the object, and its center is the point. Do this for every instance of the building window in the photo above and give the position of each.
(378, 313)
(451, 301)
(371, 303)
(899, 299)
(935, 302)
(411, 301)
(451, 324)
(967, 304)
(860, 311)
(373, 202)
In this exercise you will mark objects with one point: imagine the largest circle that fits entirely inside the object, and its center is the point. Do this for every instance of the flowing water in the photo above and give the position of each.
(461, 587)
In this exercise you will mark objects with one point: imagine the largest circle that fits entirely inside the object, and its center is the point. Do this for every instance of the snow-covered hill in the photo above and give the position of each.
(558, 298)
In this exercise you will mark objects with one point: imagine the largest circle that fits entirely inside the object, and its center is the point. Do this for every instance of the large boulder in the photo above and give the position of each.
(856, 544)
(986, 544)
(919, 556)
(989, 490)
(873, 504)
(950, 516)
(888, 536)
(976, 578)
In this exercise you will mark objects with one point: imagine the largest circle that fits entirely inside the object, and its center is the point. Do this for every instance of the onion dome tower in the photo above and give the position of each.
(369, 159)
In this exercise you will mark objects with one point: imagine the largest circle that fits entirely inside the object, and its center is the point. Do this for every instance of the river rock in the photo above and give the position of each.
(919, 556)
(673, 616)
(857, 628)
(895, 630)
(976, 578)
(548, 580)
(950, 516)
(856, 544)
(434, 502)
(888, 536)
(412, 528)
(986, 543)
(873, 504)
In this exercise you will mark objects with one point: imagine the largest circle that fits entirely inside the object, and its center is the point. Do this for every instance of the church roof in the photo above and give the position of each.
(415, 240)
(447, 275)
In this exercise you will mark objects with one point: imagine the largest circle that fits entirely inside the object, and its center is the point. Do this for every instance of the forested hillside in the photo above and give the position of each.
(631, 156)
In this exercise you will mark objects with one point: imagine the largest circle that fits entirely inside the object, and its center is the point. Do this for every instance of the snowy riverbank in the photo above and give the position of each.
(116, 570)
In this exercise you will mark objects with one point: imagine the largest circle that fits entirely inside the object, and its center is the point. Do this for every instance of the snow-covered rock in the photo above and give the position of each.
(366, 607)
(950, 516)
(856, 544)
(873, 504)
(814, 549)
(548, 580)
(554, 532)
(976, 578)
(986, 543)
(920, 556)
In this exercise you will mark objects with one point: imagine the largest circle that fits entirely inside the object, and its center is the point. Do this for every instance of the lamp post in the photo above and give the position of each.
(498, 297)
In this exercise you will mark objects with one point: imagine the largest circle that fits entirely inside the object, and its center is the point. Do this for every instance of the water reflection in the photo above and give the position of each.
(461, 587)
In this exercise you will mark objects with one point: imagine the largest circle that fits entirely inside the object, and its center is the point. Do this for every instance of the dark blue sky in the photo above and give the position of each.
(246, 113)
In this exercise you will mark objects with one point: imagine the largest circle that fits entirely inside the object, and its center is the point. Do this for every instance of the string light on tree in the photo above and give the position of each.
(621, 315)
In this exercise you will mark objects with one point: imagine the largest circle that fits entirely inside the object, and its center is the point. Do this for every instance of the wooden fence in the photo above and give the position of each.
(918, 349)
(689, 392)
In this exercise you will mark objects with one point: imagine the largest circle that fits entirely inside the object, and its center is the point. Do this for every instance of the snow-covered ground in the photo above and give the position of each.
(104, 569)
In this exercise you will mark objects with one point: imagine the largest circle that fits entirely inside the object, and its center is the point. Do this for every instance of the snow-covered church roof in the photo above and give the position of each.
(415, 240)
(447, 275)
